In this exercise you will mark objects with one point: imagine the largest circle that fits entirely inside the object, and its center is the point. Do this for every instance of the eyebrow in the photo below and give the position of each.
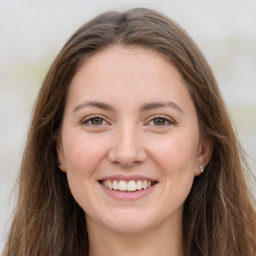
(154, 105)
(143, 108)
(96, 104)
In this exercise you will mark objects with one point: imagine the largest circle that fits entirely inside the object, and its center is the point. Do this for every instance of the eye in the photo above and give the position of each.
(160, 121)
(94, 121)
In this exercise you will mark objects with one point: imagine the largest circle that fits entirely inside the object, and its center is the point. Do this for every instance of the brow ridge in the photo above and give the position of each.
(143, 108)
(96, 104)
(154, 105)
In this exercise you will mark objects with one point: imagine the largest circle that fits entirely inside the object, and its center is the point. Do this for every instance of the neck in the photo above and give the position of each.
(161, 240)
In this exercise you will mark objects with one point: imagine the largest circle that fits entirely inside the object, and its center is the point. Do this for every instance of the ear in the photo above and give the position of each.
(204, 153)
(60, 156)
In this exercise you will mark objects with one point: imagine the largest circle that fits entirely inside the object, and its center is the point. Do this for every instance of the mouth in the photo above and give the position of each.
(127, 186)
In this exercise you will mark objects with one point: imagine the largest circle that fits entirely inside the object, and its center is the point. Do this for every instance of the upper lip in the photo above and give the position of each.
(127, 178)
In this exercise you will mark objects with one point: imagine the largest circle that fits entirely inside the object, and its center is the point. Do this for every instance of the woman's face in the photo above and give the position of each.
(130, 141)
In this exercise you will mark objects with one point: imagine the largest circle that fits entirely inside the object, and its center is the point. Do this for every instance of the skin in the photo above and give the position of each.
(159, 142)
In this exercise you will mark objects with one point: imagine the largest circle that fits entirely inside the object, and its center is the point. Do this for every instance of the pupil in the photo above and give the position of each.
(97, 121)
(159, 121)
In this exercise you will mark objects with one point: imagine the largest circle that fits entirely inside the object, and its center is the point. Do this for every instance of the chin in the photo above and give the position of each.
(126, 227)
(130, 222)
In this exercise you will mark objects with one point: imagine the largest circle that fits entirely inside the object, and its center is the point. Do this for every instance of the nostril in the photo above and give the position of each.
(127, 158)
(127, 149)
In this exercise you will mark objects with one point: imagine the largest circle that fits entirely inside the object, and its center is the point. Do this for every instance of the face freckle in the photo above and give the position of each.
(110, 132)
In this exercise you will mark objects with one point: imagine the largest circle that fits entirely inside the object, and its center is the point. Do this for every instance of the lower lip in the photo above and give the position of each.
(128, 196)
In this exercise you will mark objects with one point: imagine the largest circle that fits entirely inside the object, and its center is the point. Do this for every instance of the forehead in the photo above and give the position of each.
(126, 59)
(128, 73)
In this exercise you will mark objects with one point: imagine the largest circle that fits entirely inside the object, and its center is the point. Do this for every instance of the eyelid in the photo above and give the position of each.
(167, 118)
(86, 119)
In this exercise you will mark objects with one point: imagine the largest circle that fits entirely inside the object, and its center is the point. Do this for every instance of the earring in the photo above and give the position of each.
(201, 168)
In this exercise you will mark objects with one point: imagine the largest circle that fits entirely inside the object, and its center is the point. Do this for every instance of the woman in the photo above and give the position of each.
(131, 150)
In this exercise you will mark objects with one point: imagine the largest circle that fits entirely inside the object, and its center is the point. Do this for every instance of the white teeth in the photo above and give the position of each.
(115, 185)
(122, 185)
(131, 185)
(144, 184)
(139, 185)
(109, 184)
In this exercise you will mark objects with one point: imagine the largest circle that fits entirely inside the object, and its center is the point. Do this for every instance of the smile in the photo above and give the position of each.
(129, 186)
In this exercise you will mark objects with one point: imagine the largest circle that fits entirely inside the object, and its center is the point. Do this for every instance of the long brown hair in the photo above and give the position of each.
(219, 214)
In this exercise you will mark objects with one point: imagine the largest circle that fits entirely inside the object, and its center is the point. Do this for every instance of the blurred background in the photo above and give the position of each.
(32, 33)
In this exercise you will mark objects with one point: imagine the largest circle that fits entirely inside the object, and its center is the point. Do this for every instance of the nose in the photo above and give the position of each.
(127, 148)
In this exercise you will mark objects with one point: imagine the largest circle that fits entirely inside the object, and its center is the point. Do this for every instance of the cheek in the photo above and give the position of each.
(82, 157)
(82, 154)
(177, 154)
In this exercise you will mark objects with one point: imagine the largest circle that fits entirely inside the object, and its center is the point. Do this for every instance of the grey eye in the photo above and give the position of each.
(160, 121)
(94, 121)
(97, 121)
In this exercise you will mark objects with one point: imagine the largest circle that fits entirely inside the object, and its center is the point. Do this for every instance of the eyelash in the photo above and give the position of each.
(167, 121)
(88, 121)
